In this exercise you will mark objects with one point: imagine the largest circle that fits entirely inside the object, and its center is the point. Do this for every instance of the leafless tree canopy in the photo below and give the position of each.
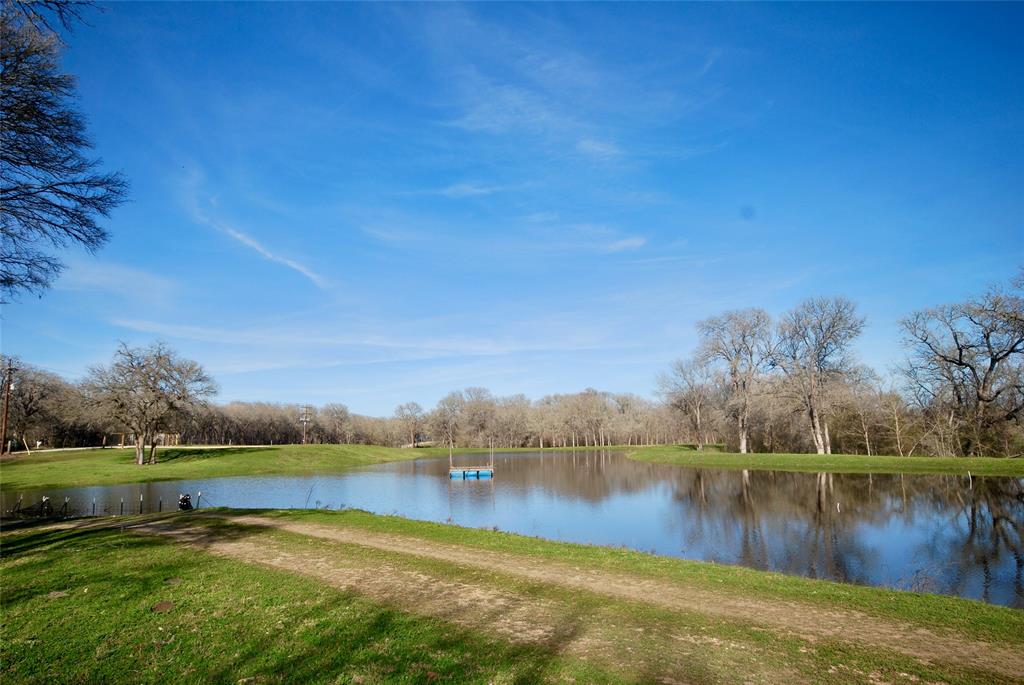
(148, 390)
(50, 15)
(691, 388)
(51, 193)
(966, 364)
(740, 341)
(813, 349)
(797, 383)
(410, 415)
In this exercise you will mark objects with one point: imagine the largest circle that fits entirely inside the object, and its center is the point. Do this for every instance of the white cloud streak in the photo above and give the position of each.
(114, 278)
(200, 216)
(420, 348)
(461, 190)
(599, 149)
(258, 247)
(630, 243)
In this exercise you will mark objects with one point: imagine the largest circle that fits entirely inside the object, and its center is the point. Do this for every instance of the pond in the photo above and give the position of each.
(946, 534)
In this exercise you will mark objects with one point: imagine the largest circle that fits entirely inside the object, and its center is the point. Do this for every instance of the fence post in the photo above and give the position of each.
(122, 506)
(140, 502)
(199, 497)
(93, 506)
(160, 504)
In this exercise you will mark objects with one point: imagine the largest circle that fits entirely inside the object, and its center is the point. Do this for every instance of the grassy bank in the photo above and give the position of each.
(686, 455)
(326, 597)
(79, 607)
(110, 466)
(979, 620)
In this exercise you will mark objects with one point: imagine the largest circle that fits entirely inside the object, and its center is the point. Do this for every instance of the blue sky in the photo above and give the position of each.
(371, 204)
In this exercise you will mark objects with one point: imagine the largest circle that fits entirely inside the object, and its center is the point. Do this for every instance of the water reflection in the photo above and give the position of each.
(945, 534)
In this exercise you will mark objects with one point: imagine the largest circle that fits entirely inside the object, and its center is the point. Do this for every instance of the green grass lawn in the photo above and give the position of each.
(686, 455)
(977, 619)
(104, 604)
(78, 608)
(110, 466)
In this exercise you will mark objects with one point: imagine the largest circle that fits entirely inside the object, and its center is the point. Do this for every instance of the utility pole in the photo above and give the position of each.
(304, 419)
(8, 381)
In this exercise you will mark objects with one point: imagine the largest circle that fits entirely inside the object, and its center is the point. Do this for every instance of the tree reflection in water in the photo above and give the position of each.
(837, 526)
(946, 534)
(927, 533)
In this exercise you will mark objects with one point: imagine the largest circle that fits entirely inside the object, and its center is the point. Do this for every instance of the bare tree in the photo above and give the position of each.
(148, 390)
(689, 387)
(47, 15)
(35, 402)
(967, 361)
(859, 399)
(410, 416)
(446, 417)
(51, 194)
(813, 350)
(512, 420)
(338, 422)
(741, 342)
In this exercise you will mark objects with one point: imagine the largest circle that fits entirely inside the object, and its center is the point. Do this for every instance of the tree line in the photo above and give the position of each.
(145, 394)
(795, 385)
(753, 384)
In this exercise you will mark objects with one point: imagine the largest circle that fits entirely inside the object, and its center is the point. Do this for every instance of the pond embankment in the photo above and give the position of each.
(231, 595)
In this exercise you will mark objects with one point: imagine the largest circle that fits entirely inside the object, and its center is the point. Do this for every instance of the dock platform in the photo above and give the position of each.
(463, 472)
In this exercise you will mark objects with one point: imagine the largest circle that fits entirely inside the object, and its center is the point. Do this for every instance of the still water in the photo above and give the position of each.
(945, 534)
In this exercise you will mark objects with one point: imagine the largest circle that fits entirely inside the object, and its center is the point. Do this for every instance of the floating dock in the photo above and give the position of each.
(464, 472)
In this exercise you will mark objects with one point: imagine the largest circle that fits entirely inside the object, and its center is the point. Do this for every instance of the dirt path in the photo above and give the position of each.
(606, 636)
(512, 615)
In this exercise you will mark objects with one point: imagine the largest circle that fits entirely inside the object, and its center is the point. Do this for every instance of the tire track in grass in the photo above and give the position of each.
(580, 630)
(810, 622)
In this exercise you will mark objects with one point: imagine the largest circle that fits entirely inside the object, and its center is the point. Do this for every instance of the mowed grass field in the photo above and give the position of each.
(348, 597)
(72, 468)
(686, 455)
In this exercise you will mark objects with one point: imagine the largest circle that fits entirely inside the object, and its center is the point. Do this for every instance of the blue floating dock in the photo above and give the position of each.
(464, 472)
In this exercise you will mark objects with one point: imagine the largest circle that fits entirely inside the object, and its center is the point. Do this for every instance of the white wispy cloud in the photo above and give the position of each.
(600, 149)
(631, 243)
(713, 56)
(257, 246)
(579, 238)
(502, 108)
(96, 276)
(201, 216)
(391, 235)
(460, 190)
(605, 239)
(539, 84)
(420, 348)
(542, 217)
